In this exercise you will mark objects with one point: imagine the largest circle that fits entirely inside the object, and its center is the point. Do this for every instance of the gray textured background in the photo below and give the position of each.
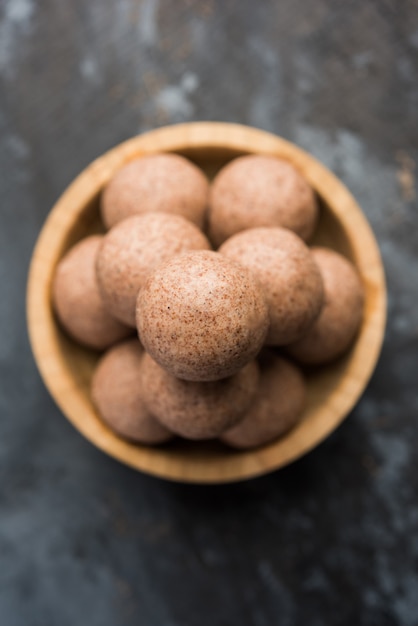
(332, 539)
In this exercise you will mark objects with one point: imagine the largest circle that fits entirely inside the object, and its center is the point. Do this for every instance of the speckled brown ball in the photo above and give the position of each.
(77, 300)
(117, 394)
(277, 407)
(290, 278)
(201, 316)
(256, 190)
(160, 182)
(198, 410)
(132, 249)
(336, 327)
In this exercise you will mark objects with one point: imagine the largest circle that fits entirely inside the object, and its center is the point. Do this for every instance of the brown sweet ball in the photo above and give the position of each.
(290, 278)
(198, 410)
(335, 328)
(257, 190)
(202, 316)
(77, 300)
(132, 249)
(161, 182)
(117, 394)
(277, 407)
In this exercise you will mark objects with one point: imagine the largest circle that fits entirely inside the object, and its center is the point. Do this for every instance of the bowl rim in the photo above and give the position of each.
(41, 323)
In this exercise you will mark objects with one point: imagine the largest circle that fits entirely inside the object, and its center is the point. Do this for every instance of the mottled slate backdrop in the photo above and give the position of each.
(332, 539)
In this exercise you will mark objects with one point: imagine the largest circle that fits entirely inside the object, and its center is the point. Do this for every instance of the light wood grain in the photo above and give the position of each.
(67, 368)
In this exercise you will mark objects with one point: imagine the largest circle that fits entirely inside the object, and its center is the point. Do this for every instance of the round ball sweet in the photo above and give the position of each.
(290, 278)
(198, 410)
(161, 182)
(337, 325)
(117, 394)
(77, 301)
(277, 407)
(254, 191)
(132, 249)
(201, 316)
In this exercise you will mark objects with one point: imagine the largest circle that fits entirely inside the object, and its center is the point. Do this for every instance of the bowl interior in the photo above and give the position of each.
(332, 389)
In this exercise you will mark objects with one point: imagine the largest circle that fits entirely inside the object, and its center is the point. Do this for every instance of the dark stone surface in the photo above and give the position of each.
(332, 539)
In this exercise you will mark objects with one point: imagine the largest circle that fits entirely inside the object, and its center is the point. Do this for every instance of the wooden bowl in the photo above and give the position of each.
(67, 367)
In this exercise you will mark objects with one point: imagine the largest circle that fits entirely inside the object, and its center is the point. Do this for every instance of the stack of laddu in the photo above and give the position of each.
(205, 297)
